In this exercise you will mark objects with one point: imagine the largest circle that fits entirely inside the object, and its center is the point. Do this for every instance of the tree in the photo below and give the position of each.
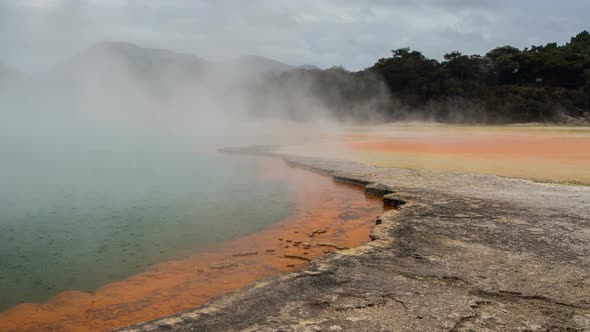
(500, 87)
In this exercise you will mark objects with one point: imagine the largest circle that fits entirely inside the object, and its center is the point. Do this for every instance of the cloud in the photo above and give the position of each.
(36, 34)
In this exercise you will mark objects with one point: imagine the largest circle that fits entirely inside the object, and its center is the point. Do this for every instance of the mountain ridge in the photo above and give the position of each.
(147, 58)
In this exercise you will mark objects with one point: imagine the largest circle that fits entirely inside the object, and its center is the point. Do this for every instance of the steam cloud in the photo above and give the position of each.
(116, 94)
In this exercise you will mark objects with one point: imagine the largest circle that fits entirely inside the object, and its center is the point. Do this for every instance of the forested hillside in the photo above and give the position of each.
(545, 83)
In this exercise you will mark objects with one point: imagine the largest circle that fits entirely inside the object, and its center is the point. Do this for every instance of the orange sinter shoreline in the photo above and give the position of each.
(342, 214)
(551, 154)
(565, 148)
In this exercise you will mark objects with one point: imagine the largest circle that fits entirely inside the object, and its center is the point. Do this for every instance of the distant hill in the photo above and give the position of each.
(140, 62)
(255, 64)
(125, 76)
(112, 59)
(126, 70)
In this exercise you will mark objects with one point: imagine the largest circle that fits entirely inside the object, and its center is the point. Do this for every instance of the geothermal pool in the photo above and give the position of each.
(103, 241)
(81, 222)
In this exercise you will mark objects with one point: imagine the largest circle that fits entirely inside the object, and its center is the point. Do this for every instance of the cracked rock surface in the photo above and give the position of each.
(462, 252)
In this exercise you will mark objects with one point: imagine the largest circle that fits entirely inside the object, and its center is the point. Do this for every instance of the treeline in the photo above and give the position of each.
(546, 83)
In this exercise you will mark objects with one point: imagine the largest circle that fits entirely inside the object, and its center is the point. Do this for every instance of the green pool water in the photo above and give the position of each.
(76, 219)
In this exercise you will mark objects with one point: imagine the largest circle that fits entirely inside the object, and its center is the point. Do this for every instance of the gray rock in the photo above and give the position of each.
(378, 189)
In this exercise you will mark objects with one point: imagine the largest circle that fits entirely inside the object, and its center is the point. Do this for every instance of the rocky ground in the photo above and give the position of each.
(462, 252)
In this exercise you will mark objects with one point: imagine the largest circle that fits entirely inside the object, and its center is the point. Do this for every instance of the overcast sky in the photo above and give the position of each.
(35, 34)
